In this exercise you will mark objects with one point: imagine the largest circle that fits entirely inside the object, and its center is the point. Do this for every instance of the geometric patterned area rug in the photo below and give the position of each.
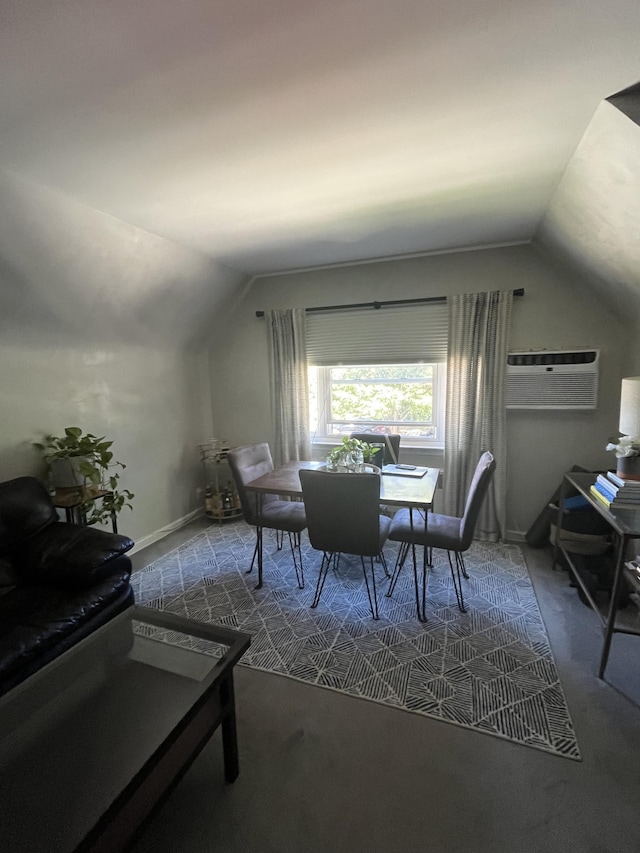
(490, 669)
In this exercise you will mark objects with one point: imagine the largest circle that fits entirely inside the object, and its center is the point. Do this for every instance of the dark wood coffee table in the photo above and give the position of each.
(92, 744)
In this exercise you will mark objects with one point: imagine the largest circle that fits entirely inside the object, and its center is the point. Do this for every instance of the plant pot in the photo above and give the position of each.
(628, 467)
(350, 462)
(64, 473)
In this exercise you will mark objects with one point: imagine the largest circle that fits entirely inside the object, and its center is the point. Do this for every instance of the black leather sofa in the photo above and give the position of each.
(58, 581)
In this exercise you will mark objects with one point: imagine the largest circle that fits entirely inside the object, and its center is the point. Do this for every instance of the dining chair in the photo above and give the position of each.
(343, 517)
(390, 440)
(442, 531)
(266, 511)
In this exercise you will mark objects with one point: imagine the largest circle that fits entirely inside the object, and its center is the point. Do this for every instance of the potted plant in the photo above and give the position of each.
(349, 454)
(627, 450)
(84, 462)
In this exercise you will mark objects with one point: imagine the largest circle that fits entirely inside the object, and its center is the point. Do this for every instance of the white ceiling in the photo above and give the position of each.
(274, 134)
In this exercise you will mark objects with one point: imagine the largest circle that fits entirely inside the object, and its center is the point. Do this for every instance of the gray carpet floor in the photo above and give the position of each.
(322, 771)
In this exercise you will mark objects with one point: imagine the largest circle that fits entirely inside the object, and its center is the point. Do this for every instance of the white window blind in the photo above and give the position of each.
(378, 336)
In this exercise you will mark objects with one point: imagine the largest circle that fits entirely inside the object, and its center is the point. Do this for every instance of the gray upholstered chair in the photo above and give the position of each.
(266, 511)
(442, 531)
(391, 441)
(343, 517)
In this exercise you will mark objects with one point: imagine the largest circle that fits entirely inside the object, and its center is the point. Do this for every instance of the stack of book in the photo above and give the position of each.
(615, 493)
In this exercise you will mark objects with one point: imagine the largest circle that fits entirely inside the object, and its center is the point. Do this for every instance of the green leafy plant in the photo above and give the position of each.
(94, 462)
(349, 445)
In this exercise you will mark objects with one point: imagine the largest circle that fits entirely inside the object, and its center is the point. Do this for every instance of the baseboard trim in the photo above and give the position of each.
(165, 531)
(515, 536)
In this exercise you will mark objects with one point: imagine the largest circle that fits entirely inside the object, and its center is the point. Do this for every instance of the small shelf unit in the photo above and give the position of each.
(222, 502)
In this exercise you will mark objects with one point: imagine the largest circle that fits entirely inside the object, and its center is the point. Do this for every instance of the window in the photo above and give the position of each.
(405, 398)
(379, 370)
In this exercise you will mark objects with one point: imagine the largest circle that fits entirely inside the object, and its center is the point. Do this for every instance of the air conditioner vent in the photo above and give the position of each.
(554, 358)
(566, 379)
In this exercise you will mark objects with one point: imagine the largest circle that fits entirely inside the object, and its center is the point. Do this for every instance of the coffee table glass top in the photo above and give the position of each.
(75, 734)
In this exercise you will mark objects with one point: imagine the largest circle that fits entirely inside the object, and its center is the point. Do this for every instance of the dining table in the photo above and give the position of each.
(396, 490)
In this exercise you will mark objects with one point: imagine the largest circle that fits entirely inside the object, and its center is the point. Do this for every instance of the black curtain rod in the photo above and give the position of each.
(518, 292)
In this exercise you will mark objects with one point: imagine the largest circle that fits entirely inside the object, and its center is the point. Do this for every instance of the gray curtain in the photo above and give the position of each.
(289, 384)
(478, 344)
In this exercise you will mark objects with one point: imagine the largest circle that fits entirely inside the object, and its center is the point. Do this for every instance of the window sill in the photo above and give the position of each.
(319, 450)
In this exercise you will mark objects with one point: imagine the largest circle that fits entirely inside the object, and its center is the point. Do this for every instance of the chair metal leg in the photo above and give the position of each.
(402, 555)
(421, 597)
(425, 562)
(253, 559)
(462, 566)
(294, 542)
(382, 559)
(322, 576)
(327, 559)
(373, 603)
(279, 539)
(259, 554)
(258, 549)
(420, 610)
(457, 582)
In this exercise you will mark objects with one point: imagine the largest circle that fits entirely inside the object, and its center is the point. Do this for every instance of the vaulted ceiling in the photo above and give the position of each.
(275, 134)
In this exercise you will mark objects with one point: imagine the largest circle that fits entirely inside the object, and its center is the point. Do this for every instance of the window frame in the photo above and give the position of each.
(320, 436)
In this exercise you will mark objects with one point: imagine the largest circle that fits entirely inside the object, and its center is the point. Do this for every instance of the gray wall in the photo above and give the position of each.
(103, 326)
(557, 312)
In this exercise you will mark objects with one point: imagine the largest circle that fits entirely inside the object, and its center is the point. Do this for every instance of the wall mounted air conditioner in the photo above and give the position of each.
(566, 379)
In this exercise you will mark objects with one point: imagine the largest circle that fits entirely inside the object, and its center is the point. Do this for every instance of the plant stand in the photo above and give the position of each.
(73, 502)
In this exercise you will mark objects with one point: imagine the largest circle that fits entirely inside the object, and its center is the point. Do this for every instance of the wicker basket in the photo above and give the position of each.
(580, 543)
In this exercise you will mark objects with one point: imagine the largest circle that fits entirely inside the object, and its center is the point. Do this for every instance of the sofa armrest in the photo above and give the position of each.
(70, 555)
